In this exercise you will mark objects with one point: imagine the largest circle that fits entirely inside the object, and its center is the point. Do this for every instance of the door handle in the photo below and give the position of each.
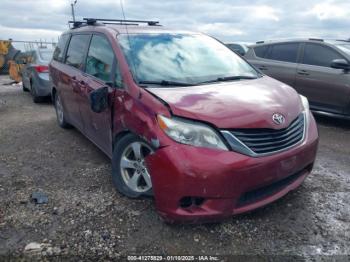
(303, 73)
(262, 68)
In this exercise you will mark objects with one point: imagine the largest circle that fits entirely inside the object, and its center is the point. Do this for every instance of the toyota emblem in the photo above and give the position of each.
(278, 119)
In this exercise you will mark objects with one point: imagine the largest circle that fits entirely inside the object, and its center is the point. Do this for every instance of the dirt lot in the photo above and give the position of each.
(85, 216)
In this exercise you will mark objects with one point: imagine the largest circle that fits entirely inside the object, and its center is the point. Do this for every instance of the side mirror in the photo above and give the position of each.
(340, 64)
(239, 52)
(99, 99)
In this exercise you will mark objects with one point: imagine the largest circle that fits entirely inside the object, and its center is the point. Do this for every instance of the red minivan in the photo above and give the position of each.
(182, 117)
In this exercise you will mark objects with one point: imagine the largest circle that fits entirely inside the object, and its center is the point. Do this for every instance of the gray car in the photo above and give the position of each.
(318, 69)
(35, 74)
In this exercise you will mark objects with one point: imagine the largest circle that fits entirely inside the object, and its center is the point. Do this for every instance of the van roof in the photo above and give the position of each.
(121, 26)
(124, 29)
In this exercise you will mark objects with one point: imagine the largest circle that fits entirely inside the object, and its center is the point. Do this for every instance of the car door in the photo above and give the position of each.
(325, 87)
(280, 62)
(71, 77)
(99, 72)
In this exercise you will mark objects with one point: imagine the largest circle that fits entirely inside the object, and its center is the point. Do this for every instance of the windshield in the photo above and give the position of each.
(185, 58)
(46, 55)
(345, 48)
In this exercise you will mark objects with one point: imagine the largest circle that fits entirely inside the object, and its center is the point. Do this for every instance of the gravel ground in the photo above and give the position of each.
(86, 217)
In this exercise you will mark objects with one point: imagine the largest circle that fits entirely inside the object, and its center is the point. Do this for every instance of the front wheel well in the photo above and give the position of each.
(119, 136)
(154, 143)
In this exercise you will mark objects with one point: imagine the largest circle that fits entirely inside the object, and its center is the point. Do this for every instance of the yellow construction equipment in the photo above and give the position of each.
(4, 49)
(15, 71)
(2, 61)
(8, 63)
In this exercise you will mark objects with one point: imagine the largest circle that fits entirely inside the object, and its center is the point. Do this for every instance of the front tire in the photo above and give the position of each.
(129, 172)
(61, 120)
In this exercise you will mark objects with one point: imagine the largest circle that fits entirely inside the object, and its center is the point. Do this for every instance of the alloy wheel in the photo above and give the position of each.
(133, 169)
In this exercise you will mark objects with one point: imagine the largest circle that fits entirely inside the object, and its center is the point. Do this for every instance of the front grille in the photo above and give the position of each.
(261, 193)
(265, 141)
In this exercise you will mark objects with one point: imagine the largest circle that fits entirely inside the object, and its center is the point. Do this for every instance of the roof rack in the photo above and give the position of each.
(76, 24)
(121, 21)
(289, 40)
(343, 40)
(316, 39)
(94, 21)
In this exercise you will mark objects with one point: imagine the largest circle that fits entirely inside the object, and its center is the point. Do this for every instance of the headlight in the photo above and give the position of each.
(305, 103)
(190, 133)
(306, 106)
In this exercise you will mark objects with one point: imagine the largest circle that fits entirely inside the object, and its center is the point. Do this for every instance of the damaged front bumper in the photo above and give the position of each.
(193, 184)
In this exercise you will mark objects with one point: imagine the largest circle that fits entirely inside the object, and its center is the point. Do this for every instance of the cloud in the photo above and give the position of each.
(330, 10)
(224, 29)
(265, 12)
(228, 20)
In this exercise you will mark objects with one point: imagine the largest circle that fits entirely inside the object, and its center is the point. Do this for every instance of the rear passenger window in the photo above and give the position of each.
(100, 58)
(58, 53)
(76, 50)
(260, 51)
(284, 52)
(319, 55)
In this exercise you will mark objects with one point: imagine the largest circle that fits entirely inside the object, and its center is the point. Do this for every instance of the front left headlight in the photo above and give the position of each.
(190, 133)
(306, 106)
(305, 103)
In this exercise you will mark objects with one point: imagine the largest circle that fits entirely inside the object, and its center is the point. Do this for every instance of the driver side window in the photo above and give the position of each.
(99, 61)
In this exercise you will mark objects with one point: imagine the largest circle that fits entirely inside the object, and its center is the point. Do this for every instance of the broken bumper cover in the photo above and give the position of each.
(194, 184)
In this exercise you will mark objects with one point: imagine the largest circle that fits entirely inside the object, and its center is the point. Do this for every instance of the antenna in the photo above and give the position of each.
(72, 7)
(127, 33)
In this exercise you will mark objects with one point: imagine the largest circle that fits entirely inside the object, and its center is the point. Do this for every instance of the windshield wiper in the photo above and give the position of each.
(165, 83)
(228, 78)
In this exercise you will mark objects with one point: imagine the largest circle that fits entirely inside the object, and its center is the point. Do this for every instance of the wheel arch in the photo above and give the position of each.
(53, 93)
(120, 135)
(154, 143)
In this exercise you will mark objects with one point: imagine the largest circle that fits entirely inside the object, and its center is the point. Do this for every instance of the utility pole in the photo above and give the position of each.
(72, 6)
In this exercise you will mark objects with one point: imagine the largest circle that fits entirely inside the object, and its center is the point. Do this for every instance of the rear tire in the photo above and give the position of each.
(61, 120)
(24, 88)
(129, 172)
(36, 98)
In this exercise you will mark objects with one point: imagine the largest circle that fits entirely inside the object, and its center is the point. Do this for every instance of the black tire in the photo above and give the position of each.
(118, 180)
(35, 97)
(61, 120)
(24, 88)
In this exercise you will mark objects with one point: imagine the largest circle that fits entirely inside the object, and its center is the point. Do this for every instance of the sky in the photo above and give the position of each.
(228, 20)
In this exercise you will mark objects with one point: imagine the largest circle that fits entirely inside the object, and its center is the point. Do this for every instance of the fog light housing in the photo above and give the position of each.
(187, 202)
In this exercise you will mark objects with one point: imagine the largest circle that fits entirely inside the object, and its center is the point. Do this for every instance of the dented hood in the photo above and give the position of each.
(235, 104)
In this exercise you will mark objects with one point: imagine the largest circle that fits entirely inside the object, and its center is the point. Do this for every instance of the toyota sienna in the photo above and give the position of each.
(182, 117)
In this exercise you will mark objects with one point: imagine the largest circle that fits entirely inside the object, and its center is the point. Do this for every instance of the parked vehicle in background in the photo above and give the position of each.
(182, 118)
(35, 73)
(238, 48)
(318, 69)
